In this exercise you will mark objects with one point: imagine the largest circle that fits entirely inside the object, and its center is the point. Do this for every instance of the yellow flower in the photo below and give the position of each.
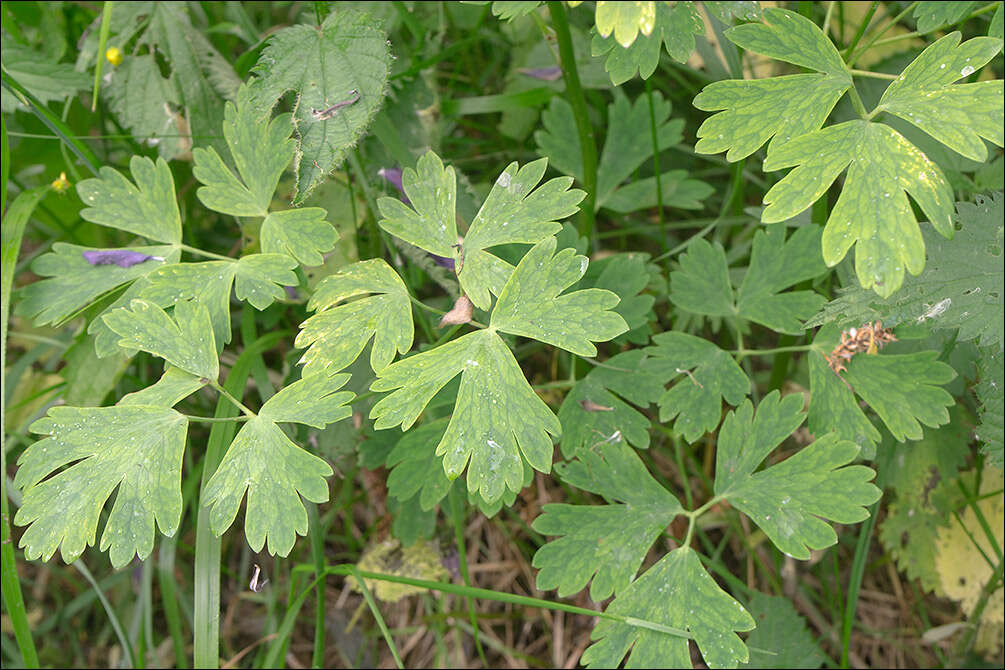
(62, 184)
(114, 56)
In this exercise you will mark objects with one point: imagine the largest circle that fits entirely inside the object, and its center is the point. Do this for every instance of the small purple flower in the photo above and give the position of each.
(121, 257)
(553, 73)
(443, 262)
(291, 292)
(393, 176)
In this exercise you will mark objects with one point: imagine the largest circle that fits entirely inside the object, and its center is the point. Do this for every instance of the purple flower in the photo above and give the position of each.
(121, 257)
(552, 73)
(443, 262)
(393, 176)
(291, 292)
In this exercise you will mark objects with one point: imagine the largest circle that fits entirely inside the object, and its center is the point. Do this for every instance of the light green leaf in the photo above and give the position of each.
(144, 102)
(872, 209)
(261, 150)
(324, 65)
(705, 376)
(701, 284)
(415, 469)
(259, 278)
(627, 275)
(45, 80)
(207, 283)
(932, 15)
(997, 27)
(513, 212)
(790, 500)
(962, 285)
(337, 334)
(147, 208)
(903, 390)
(498, 420)
(273, 470)
(276, 473)
(313, 400)
(507, 10)
(679, 593)
(73, 283)
(431, 221)
(135, 449)
(959, 116)
(775, 265)
(779, 108)
(173, 386)
(727, 12)
(991, 431)
(781, 639)
(625, 20)
(594, 412)
(675, 29)
(530, 304)
(302, 233)
(183, 341)
(604, 542)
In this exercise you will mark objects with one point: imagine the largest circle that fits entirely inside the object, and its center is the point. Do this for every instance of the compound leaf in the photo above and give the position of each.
(259, 278)
(143, 101)
(415, 470)
(790, 500)
(273, 470)
(960, 116)
(701, 284)
(147, 208)
(675, 28)
(872, 209)
(678, 593)
(779, 108)
(337, 334)
(261, 150)
(346, 59)
(431, 221)
(73, 282)
(137, 449)
(301, 233)
(184, 341)
(710, 375)
(595, 409)
(530, 304)
(776, 264)
(173, 386)
(606, 543)
(498, 420)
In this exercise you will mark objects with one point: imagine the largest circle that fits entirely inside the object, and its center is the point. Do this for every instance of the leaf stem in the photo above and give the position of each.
(215, 419)
(857, 103)
(873, 75)
(237, 403)
(656, 163)
(777, 350)
(862, 26)
(206, 254)
(574, 91)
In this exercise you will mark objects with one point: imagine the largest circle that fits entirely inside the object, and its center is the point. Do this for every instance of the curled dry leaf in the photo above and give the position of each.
(461, 313)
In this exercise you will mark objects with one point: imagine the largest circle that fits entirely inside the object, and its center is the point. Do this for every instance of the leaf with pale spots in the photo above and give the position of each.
(184, 341)
(960, 116)
(498, 421)
(173, 386)
(530, 304)
(72, 282)
(259, 278)
(302, 233)
(261, 150)
(274, 471)
(677, 594)
(778, 108)
(135, 449)
(625, 20)
(337, 333)
(147, 208)
(605, 543)
(430, 220)
(793, 500)
(872, 213)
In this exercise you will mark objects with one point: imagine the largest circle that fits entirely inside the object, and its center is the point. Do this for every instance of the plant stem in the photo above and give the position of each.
(656, 163)
(587, 141)
(205, 254)
(873, 75)
(855, 582)
(852, 58)
(862, 27)
(237, 403)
